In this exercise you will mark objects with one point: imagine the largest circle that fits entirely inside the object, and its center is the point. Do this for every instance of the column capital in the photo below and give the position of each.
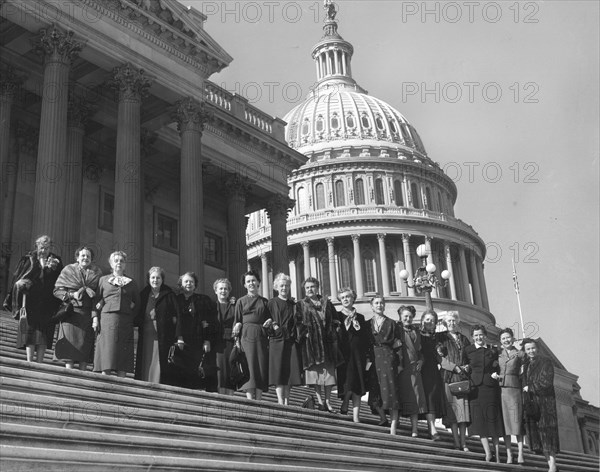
(304, 244)
(263, 256)
(236, 185)
(428, 239)
(10, 82)
(406, 237)
(129, 82)
(330, 240)
(78, 111)
(190, 115)
(279, 205)
(56, 45)
(355, 237)
(381, 236)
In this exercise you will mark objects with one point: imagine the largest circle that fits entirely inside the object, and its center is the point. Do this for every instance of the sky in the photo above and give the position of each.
(505, 97)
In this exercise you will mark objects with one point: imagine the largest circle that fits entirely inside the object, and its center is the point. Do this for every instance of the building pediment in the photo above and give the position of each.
(171, 22)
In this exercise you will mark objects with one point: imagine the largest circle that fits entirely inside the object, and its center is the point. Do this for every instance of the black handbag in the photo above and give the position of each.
(461, 388)
(531, 409)
(65, 310)
(206, 369)
(183, 361)
(239, 371)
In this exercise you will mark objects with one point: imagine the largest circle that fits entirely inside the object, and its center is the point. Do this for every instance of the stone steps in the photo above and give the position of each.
(58, 419)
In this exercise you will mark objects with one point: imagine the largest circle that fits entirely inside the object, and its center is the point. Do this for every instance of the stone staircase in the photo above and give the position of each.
(55, 419)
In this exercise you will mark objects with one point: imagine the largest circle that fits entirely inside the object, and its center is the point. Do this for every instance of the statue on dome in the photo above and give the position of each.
(331, 11)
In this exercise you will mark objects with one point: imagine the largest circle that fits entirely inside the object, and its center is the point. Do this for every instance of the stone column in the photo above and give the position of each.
(190, 116)
(264, 268)
(277, 208)
(236, 189)
(132, 85)
(475, 280)
(451, 281)
(464, 275)
(385, 276)
(294, 277)
(408, 261)
(428, 239)
(482, 286)
(9, 84)
(360, 289)
(332, 268)
(58, 48)
(78, 113)
(306, 257)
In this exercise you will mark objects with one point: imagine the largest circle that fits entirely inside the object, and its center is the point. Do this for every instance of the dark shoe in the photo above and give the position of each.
(343, 412)
(434, 437)
(383, 423)
(322, 407)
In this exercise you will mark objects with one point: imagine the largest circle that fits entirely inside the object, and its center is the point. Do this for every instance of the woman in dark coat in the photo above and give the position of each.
(538, 384)
(486, 415)
(284, 357)
(252, 320)
(433, 386)
(354, 343)
(155, 321)
(411, 383)
(34, 277)
(384, 392)
(317, 322)
(197, 332)
(224, 336)
(77, 284)
(452, 343)
(116, 306)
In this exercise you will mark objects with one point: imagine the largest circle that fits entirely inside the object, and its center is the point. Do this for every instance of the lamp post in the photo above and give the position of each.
(424, 278)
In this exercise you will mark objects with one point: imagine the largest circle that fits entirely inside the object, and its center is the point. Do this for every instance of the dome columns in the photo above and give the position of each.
(360, 291)
(385, 277)
(333, 286)
(451, 281)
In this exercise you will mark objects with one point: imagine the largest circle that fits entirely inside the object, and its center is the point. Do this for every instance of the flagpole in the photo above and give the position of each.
(516, 285)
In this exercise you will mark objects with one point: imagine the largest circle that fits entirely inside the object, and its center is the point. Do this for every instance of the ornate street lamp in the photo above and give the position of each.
(424, 279)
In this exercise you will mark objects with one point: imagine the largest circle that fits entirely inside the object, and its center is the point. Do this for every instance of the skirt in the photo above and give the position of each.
(114, 344)
(512, 411)
(321, 374)
(150, 371)
(486, 414)
(75, 337)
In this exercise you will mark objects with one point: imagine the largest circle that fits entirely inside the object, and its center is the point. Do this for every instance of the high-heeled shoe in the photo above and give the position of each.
(385, 423)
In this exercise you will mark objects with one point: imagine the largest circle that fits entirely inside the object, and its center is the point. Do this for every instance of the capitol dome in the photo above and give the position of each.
(366, 199)
(337, 112)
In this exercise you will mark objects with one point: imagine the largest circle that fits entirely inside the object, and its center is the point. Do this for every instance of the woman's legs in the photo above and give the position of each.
(318, 395)
(251, 394)
(328, 389)
(462, 428)
(280, 390)
(259, 394)
(40, 351)
(286, 394)
(394, 424)
(30, 350)
(507, 445)
(431, 425)
(486, 447)
(356, 408)
(552, 463)
(69, 364)
(520, 458)
(414, 423)
(345, 402)
(496, 442)
(454, 427)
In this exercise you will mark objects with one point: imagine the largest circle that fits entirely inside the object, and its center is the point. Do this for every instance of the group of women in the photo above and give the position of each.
(407, 370)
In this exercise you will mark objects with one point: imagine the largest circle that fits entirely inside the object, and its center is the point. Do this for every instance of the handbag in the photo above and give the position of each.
(206, 369)
(23, 325)
(64, 312)
(531, 409)
(239, 372)
(462, 388)
(183, 361)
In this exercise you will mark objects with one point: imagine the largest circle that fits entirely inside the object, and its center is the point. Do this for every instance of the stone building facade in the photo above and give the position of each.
(112, 135)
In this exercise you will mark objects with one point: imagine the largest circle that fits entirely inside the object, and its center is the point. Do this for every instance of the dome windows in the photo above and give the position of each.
(359, 192)
(320, 196)
(305, 127)
(393, 128)
(416, 199)
(379, 123)
(301, 201)
(364, 121)
(335, 121)
(379, 198)
(350, 123)
(398, 193)
(340, 198)
(320, 124)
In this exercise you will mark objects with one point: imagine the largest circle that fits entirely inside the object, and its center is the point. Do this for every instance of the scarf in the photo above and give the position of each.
(73, 278)
(350, 319)
(119, 280)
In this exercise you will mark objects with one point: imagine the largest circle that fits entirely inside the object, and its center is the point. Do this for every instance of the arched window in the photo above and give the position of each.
(416, 197)
(440, 203)
(379, 200)
(406, 135)
(379, 122)
(359, 192)
(320, 123)
(305, 127)
(364, 120)
(350, 121)
(369, 272)
(301, 201)
(340, 199)
(320, 196)
(346, 279)
(393, 128)
(398, 193)
(429, 203)
(335, 122)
